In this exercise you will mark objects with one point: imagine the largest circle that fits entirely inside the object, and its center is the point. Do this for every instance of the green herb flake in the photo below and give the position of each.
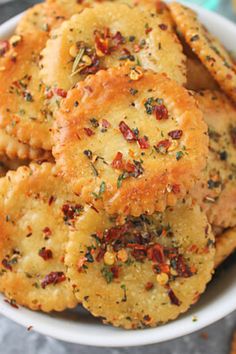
(76, 63)
(102, 190)
(179, 155)
(107, 274)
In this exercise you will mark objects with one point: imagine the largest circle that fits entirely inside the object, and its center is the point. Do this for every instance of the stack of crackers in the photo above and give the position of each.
(118, 164)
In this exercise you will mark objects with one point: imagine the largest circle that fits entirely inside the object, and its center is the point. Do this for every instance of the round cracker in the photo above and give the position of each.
(207, 47)
(143, 272)
(108, 35)
(225, 246)
(23, 110)
(131, 146)
(12, 148)
(216, 192)
(47, 15)
(24, 105)
(35, 222)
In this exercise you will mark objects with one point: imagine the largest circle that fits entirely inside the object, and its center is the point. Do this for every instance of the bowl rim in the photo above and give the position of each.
(113, 337)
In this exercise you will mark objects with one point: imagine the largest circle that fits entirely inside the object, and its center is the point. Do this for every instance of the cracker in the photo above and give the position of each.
(144, 271)
(12, 164)
(216, 192)
(225, 245)
(133, 147)
(198, 77)
(12, 148)
(207, 47)
(47, 15)
(109, 35)
(25, 110)
(36, 215)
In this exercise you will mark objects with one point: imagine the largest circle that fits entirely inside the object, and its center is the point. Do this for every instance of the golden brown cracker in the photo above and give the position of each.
(144, 271)
(35, 218)
(133, 147)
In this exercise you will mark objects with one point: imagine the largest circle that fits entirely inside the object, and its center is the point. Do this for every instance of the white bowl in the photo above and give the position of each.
(78, 326)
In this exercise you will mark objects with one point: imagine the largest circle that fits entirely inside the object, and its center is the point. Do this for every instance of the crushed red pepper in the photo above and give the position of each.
(139, 240)
(161, 112)
(53, 278)
(46, 254)
(60, 92)
(89, 131)
(127, 133)
(71, 211)
(6, 264)
(163, 146)
(175, 134)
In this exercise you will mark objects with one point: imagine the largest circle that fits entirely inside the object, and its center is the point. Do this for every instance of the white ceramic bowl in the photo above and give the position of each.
(78, 326)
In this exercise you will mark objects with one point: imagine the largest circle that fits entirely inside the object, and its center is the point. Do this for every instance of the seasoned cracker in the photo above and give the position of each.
(225, 246)
(25, 111)
(207, 47)
(109, 35)
(12, 148)
(48, 15)
(36, 215)
(198, 77)
(144, 271)
(133, 147)
(216, 192)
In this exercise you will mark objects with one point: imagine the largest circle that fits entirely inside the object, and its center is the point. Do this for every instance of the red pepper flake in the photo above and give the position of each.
(70, 211)
(89, 131)
(136, 246)
(6, 264)
(175, 134)
(51, 200)
(176, 188)
(117, 39)
(49, 94)
(161, 112)
(148, 30)
(4, 47)
(47, 231)
(173, 298)
(102, 42)
(164, 268)
(53, 278)
(117, 163)
(46, 254)
(163, 26)
(149, 286)
(29, 328)
(182, 268)
(105, 124)
(115, 271)
(100, 255)
(163, 145)
(127, 133)
(156, 253)
(12, 303)
(60, 92)
(143, 143)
